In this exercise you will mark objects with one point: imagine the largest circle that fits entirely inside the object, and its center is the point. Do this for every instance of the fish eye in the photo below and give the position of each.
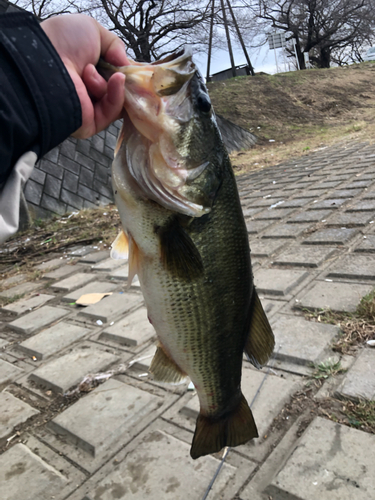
(204, 103)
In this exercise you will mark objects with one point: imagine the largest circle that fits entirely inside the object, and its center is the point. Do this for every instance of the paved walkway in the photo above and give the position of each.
(312, 233)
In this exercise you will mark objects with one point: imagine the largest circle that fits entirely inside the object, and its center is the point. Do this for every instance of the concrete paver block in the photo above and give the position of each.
(329, 462)
(23, 305)
(250, 212)
(13, 412)
(63, 372)
(296, 203)
(277, 281)
(312, 256)
(301, 341)
(50, 264)
(363, 206)
(331, 236)
(335, 296)
(143, 359)
(359, 382)
(24, 475)
(161, 465)
(63, 272)
(270, 400)
(111, 307)
(13, 280)
(111, 409)
(328, 204)
(109, 265)
(265, 202)
(52, 340)
(352, 219)
(93, 287)
(329, 184)
(309, 216)
(8, 372)
(73, 282)
(354, 266)
(347, 193)
(121, 273)
(274, 214)
(265, 248)
(133, 330)
(358, 184)
(22, 289)
(367, 244)
(81, 251)
(38, 319)
(95, 257)
(256, 226)
(286, 231)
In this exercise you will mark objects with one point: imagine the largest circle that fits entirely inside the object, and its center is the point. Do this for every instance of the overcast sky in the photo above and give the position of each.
(262, 60)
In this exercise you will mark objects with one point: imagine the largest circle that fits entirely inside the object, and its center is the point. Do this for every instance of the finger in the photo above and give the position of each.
(112, 48)
(109, 108)
(95, 84)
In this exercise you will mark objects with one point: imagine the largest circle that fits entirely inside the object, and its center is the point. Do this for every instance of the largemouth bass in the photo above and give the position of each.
(186, 239)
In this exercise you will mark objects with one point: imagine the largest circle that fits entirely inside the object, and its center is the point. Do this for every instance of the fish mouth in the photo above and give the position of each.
(160, 104)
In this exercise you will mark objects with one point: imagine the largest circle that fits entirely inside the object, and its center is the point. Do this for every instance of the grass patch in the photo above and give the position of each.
(366, 308)
(326, 369)
(356, 328)
(9, 300)
(299, 109)
(361, 414)
(88, 227)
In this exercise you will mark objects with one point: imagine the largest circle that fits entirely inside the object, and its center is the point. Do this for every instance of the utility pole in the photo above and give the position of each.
(210, 41)
(223, 7)
(228, 39)
(241, 39)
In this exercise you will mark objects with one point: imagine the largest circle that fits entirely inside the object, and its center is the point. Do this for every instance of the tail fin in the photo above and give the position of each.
(234, 429)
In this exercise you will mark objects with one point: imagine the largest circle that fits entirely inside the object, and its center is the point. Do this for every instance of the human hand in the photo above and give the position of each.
(80, 41)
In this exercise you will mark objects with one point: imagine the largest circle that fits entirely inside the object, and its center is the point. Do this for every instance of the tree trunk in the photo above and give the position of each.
(301, 58)
(325, 58)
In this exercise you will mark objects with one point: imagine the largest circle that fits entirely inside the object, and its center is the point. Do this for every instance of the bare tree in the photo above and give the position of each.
(330, 30)
(152, 28)
(43, 9)
(149, 28)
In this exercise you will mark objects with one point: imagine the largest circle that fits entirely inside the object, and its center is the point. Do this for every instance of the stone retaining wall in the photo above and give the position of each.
(77, 173)
(235, 138)
(74, 175)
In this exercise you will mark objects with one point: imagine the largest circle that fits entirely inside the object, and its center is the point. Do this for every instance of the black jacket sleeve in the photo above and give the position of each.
(39, 106)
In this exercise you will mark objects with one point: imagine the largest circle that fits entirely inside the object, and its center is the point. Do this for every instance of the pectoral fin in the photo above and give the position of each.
(120, 247)
(178, 251)
(164, 369)
(260, 342)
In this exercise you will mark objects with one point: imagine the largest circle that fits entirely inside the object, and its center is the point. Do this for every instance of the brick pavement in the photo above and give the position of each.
(311, 224)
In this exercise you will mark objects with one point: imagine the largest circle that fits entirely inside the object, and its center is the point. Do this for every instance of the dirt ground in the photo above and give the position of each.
(295, 113)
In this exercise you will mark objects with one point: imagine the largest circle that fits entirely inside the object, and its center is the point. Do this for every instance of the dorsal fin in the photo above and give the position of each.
(120, 247)
(260, 341)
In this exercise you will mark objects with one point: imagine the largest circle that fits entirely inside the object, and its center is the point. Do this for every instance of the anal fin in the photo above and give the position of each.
(164, 369)
(260, 342)
(211, 435)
